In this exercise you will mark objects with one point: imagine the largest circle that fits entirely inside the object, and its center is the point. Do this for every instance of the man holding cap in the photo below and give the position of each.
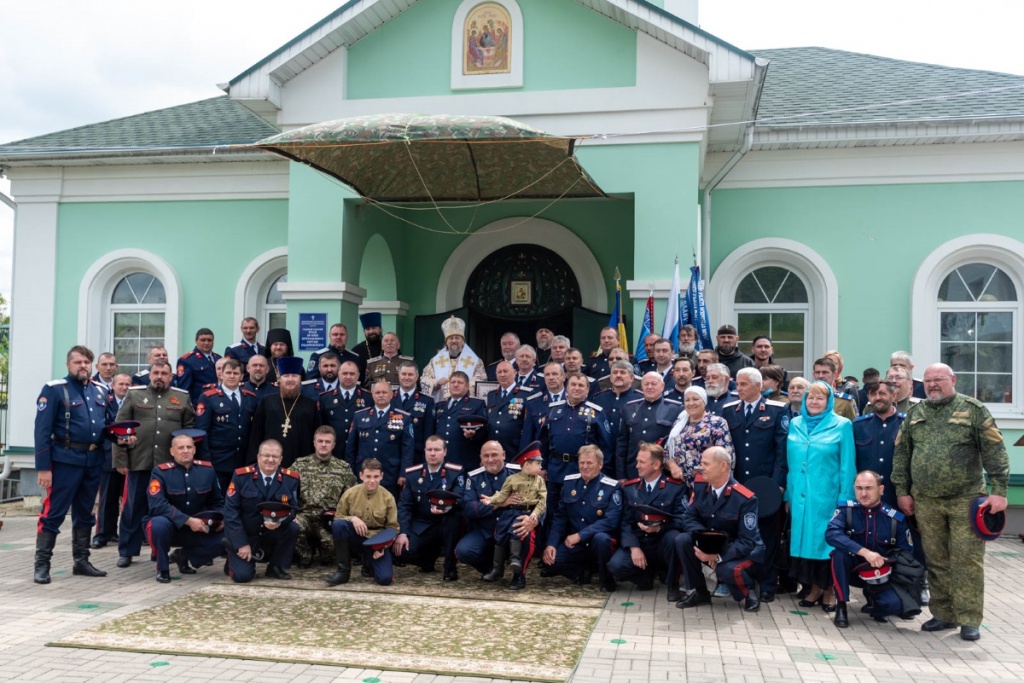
(364, 511)
(721, 504)
(181, 494)
(945, 446)
(428, 511)
(259, 516)
(864, 532)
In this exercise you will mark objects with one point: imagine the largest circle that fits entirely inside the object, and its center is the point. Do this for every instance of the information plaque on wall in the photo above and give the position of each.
(312, 331)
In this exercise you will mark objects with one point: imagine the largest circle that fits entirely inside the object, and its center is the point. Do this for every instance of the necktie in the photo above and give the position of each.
(504, 394)
(266, 481)
(750, 409)
(650, 488)
(380, 414)
(405, 397)
(451, 403)
(234, 398)
(346, 395)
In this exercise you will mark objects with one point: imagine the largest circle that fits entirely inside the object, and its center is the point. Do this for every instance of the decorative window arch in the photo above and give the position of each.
(783, 289)
(487, 45)
(122, 286)
(256, 294)
(968, 312)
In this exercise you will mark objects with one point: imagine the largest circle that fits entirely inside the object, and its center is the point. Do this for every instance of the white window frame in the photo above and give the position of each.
(265, 308)
(95, 312)
(252, 287)
(821, 319)
(1005, 253)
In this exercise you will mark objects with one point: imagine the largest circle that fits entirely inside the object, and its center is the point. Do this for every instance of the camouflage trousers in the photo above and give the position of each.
(956, 559)
(314, 540)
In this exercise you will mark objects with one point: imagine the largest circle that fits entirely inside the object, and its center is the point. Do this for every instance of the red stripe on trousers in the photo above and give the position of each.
(737, 573)
(45, 511)
(835, 584)
(531, 547)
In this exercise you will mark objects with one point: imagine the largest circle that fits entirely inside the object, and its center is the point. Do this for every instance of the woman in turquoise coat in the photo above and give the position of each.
(822, 467)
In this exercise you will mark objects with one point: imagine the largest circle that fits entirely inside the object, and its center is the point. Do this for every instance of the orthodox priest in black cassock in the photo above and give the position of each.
(289, 417)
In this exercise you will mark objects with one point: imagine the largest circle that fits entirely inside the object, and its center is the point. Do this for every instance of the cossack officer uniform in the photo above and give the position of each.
(384, 434)
(875, 440)
(594, 511)
(506, 415)
(642, 420)
(196, 371)
(226, 421)
(420, 407)
(476, 547)
(667, 495)
(614, 405)
(338, 408)
(313, 368)
(461, 450)
(242, 352)
(431, 535)
(175, 495)
(243, 521)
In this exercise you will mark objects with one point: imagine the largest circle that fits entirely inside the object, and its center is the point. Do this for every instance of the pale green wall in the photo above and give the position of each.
(414, 51)
(207, 243)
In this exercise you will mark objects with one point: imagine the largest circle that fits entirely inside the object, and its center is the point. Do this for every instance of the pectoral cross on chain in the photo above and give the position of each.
(286, 426)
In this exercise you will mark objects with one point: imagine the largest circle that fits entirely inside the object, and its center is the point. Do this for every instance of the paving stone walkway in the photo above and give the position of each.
(640, 637)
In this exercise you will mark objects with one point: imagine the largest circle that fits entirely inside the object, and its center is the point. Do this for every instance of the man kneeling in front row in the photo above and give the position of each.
(720, 531)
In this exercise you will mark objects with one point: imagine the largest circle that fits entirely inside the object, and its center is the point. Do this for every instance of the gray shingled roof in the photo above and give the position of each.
(805, 80)
(207, 123)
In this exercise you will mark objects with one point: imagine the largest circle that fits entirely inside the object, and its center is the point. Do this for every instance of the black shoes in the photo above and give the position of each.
(768, 596)
(163, 577)
(124, 562)
(518, 582)
(608, 585)
(697, 597)
(752, 602)
(969, 633)
(451, 575)
(178, 557)
(98, 542)
(275, 572)
(842, 619)
(935, 624)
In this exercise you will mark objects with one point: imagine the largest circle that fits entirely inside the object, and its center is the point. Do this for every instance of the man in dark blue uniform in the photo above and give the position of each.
(224, 413)
(646, 420)
(327, 381)
(597, 366)
(258, 372)
(875, 435)
(156, 353)
(574, 363)
(339, 407)
(759, 429)
(476, 547)
(722, 504)
(462, 444)
(385, 433)
(720, 387)
(419, 405)
(178, 491)
(865, 530)
(108, 508)
(571, 424)
(683, 371)
(338, 336)
(537, 405)
(197, 369)
(585, 525)
(427, 529)
(70, 416)
(526, 374)
(250, 535)
(614, 401)
(248, 346)
(648, 544)
(509, 346)
(506, 409)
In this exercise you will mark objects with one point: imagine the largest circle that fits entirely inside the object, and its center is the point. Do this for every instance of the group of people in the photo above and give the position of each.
(693, 466)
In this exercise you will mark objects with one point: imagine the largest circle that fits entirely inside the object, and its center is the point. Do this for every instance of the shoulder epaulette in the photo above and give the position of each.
(137, 387)
(556, 403)
(202, 463)
(533, 396)
(609, 481)
(248, 469)
(323, 350)
(363, 410)
(894, 513)
(699, 479)
(572, 476)
(179, 389)
(184, 356)
(453, 466)
(308, 381)
(248, 392)
(416, 467)
(863, 417)
(672, 401)
(513, 466)
(674, 480)
(632, 481)
(842, 395)
(399, 410)
(635, 400)
(291, 473)
(406, 357)
(475, 472)
(593, 405)
(56, 382)
(142, 373)
(777, 404)
(167, 466)
(743, 490)
(914, 400)
(211, 392)
(730, 404)
(903, 416)
(236, 346)
(849, 504)
(374, 359)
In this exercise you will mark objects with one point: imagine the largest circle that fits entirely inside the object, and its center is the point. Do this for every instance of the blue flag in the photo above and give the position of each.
(698, 310)
(648, 325)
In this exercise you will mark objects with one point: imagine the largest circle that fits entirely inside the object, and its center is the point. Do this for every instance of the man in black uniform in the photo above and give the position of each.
(419, 405)
(370, 347)
(506, 408)
(645, 420)
(197, 368)
(248, 347)
(338, 338)
(339, 406)
(224, 413)
(462, 444)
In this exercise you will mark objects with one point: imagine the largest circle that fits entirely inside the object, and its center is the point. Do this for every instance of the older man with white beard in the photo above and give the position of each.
(716, 383)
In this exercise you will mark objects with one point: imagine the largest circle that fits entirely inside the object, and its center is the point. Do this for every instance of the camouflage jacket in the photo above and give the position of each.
(322, 483)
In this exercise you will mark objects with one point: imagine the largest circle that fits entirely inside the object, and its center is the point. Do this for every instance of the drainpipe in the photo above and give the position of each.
(760, 70)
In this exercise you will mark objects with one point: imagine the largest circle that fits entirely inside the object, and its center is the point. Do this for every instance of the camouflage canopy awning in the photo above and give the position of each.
(413, 158)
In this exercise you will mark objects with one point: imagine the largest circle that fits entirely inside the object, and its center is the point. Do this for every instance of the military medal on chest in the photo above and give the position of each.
(515, 407)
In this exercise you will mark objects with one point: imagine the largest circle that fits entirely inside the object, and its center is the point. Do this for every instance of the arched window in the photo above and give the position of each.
(137, 319)
(979, 313)
(275, 311)
(773, 301)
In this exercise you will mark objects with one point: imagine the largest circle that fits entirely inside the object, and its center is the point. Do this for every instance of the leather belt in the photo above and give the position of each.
(523, 508)
(76, 446)
(566, 457)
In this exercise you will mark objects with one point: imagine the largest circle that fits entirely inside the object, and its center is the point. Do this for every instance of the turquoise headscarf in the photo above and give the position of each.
(812, 421)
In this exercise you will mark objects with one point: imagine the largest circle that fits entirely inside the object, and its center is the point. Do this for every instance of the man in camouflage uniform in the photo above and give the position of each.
(324, 478)
(944, 447)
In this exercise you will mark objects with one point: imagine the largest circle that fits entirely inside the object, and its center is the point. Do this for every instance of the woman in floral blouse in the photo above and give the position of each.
(694, 432)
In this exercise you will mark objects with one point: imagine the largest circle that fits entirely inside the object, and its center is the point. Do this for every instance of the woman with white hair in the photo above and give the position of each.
(695, 431)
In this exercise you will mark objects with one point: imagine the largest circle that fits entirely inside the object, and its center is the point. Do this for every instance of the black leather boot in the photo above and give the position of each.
(842, 619)
(515, 551)
(80, 540)
(344, 563)
(44, 551)
(498, 570)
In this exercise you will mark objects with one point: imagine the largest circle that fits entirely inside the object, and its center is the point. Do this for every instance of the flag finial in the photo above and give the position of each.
(617, 276)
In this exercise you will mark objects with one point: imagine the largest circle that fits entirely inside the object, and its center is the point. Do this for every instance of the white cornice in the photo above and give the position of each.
(330, 291)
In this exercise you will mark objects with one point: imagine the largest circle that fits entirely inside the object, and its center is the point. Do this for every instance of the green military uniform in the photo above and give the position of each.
(941, 455)
(844, 406)
(159, 414)
(904, 405)
(384, 368)
(531, 490)
(377, 509)
(323, 482)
